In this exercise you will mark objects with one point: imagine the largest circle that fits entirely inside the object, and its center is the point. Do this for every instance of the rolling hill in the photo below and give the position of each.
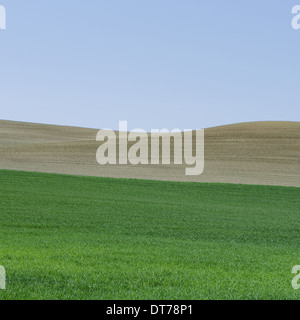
(266, 153)
(73, 237)
(77, 236)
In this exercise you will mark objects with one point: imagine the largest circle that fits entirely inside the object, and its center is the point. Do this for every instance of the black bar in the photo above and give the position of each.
(154, 309)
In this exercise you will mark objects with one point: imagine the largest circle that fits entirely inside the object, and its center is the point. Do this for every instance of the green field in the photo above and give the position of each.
(68, 237)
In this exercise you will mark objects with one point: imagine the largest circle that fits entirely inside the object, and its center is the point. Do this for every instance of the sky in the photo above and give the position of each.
(186, 64)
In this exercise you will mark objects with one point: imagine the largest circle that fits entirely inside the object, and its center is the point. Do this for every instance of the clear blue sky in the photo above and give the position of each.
(183, 64)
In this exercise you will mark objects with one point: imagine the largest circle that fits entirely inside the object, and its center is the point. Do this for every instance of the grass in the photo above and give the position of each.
(68, 237)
